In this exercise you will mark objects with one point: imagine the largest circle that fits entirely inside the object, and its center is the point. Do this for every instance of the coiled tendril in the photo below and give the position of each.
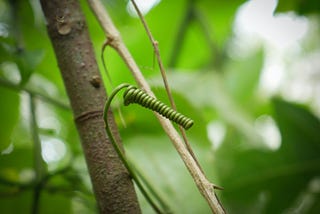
(136, 95)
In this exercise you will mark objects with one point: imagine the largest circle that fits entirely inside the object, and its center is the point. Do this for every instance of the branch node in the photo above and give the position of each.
(87, 115)
(217, 187)
(113, 40)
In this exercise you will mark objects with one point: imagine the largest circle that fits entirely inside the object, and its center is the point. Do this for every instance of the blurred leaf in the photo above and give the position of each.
(55, 203)
(27, 62)
(155, 156)
(21, 34)
(243, 76)
(304, 7)
(220, 16)
(29, 43)
(206, 90)
(84, 204)
(299, 126)
(9, 114)
(18, 203)
(6, 52)
(266, 181)
(18, 159)
(195, 41)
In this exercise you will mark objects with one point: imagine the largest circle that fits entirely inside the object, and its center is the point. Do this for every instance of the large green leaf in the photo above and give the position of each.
(272, 181)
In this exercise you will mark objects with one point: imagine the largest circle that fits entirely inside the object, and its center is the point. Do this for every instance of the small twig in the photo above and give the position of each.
(181, 35)
(193, 14)
(38, 161)
(157, 53)
(105, 44)
(214, 49)
(164, 78)
(152, 190)
(205, 187)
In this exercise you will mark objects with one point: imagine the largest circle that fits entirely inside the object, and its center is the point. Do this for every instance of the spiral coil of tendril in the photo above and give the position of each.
(136, 95)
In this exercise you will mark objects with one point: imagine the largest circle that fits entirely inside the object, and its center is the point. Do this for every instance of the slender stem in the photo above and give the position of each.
(16, 24)
(216, 53)
(43, 97)
(181, 35)
(38, 161)
(105, 44)
(120, 153)
(157, 52)
(165, 80)
(152, 189)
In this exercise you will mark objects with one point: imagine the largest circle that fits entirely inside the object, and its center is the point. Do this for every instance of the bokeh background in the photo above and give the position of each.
(247, 72)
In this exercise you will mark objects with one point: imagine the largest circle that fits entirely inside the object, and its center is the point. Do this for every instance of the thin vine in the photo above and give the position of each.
(155, 45)
(131, 169)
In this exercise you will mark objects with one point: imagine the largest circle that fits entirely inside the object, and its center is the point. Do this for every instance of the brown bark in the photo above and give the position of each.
(69, 35)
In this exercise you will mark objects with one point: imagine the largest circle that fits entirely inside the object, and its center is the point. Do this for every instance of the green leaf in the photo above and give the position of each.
(61, 203)
(19, 203)
(304, 7)
(242, 76)
(298, 126)
(9, 114)
(19, 159)
(27, 62)
(5, 51)
(220, 16)
(260, 181)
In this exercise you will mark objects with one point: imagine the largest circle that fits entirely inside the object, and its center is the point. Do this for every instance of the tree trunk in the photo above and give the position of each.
(69, 35)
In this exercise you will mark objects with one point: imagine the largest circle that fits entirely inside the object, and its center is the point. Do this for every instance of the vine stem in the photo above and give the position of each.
(155, 45)
(121, 155)
(39, 167)
(205, 187)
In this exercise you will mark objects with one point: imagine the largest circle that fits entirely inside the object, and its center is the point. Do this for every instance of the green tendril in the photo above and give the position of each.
(138, 96)
(122, 156)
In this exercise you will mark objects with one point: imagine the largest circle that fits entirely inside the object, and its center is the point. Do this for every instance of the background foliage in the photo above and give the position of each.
(263, 148)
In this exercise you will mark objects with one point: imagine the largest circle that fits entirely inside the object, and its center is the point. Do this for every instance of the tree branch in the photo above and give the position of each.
(205, 187)
(67, 29)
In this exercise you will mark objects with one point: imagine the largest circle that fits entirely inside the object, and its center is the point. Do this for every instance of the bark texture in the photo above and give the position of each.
(69, 35)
